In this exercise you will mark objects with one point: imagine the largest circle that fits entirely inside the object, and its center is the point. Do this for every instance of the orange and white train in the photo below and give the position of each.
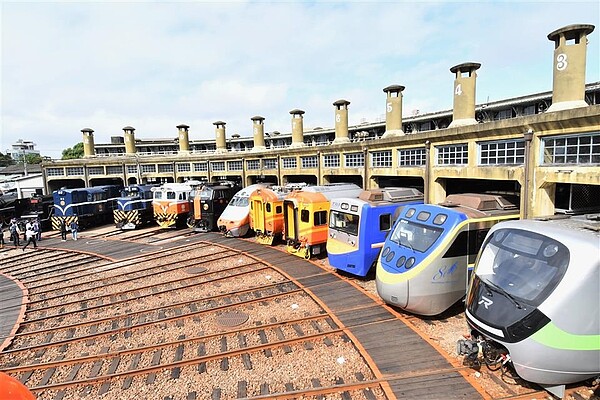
(171, 203)
(235, 219)
(306, 215)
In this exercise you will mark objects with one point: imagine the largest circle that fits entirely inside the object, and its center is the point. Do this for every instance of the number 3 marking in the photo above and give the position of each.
(561, 62)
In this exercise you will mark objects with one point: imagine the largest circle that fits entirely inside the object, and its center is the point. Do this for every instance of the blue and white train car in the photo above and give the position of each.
(358, 226)
(423, 267)
(134, 207)
(87, 206)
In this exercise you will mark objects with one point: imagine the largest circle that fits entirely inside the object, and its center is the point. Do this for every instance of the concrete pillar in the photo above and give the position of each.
(463, 112)
(220, 136)
(341, 121)
(258, 131)
(88, 142)
(297, 128)
(184, 138)
(568, 77)
(393, 111)
(129, 140)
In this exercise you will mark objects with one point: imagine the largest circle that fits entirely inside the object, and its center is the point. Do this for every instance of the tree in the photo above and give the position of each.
(73, 152)
(6, 160)
(33, 158)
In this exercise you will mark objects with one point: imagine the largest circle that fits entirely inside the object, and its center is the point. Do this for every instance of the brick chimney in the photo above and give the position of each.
(184, 138)
(88, 142)
(220, 136)
(341, 121)
(297, 128)
(129, 137)
(258, 132)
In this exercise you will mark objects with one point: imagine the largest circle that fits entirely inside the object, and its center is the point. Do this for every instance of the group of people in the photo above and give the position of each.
(32, 233)
(73, 227)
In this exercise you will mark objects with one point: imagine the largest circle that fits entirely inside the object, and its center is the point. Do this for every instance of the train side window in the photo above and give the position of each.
(385, 222)
(278, 210)
(459, 247)
(268, 207)
(304, 215)
(321, 218)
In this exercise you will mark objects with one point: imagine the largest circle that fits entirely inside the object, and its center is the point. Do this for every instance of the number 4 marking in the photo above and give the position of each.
(458, 90)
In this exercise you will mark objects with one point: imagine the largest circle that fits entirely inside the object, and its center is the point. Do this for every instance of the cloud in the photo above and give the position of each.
(154, 65)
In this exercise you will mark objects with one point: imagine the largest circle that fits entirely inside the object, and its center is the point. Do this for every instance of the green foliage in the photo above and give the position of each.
(33, 159)
(73, 152)
(6, 160)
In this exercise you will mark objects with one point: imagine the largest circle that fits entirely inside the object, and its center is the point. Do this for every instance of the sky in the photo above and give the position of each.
(70, 65)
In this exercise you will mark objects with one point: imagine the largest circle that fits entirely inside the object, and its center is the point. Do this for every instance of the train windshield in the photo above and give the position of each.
(415, 236)
(344, 222)
(240, 201)
(206, 194)
(524, 264)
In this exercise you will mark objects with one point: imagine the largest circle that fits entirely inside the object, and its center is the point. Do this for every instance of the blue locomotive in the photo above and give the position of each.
(87, 206)
(358, 226)
(134, 207)
(425, 260)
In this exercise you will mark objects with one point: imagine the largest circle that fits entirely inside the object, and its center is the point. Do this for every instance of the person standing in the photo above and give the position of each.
(74, 228)
(14, 232)
(37, 227)
(63, 230)
(30, 234)
(1, 234)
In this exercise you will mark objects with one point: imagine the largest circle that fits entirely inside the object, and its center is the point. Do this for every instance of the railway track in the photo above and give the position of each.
(171, 325)
(198, 321)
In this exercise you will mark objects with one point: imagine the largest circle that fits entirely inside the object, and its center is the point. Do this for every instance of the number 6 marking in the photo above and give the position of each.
(561, 62)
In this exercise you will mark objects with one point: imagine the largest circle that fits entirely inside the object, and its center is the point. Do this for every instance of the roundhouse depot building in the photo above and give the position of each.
(544, 148)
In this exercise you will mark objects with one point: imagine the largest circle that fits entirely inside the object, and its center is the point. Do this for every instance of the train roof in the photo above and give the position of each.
(88, 189)
(480, 204)
(333, 190)
(391, 194)
(560, 226)
(273, 193)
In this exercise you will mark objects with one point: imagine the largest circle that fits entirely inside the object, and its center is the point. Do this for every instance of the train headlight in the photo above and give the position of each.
(390, 256)
(205, 207)
(385, 252)
(410, 262)
(400, 261)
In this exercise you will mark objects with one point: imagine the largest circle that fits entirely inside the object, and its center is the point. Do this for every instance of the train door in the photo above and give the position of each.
(290, 220)
(258, 215)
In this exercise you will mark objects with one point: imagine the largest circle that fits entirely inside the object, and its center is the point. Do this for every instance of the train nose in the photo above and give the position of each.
(394, 293)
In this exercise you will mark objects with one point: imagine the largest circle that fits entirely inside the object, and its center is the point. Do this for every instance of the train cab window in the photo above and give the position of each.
(415, 237)
(385, 222)
(304, 215)
(321, 218)
(525, 264)
(170, 195)
(268, 207)
(423, 215)
(278, 210)
(158, 195)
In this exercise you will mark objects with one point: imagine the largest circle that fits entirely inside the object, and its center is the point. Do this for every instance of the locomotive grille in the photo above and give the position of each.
(124, 217)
